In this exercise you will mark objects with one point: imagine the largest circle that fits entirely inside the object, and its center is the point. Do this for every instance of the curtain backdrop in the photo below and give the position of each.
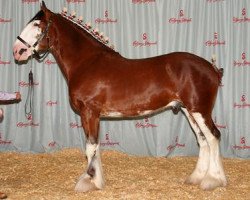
(138, 29)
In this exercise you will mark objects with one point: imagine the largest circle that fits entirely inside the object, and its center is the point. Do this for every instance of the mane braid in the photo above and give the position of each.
(87, 28)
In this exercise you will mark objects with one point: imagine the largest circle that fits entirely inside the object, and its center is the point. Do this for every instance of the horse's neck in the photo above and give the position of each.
(72, 46)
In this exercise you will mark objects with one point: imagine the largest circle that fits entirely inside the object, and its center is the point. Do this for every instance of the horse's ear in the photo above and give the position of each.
(45, 10)
(43, 6)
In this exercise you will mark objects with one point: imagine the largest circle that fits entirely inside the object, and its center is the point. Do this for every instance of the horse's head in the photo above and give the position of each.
(34, 38)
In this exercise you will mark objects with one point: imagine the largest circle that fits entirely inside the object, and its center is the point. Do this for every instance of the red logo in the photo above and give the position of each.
(76, 1)
(108, 142)
(49, 62)
(175, 144)
(145, 42)
(52, 144)
(26, 124)
(30, 1)
(215, 41)
(4, 62)
(24, 84)
(2, 141)
(51, 103)
(181, 19)
(242, 145)
(243, 103)
(242, 19)
(243, 62)
(219, 125)
(142, 1)
(2, 20)
(214, 1)
(145, 124)
(75, 125)
(106, 19)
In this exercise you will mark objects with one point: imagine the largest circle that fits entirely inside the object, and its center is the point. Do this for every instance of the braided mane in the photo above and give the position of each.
(99, 36)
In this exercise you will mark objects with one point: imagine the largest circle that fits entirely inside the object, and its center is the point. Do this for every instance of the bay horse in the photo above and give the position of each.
(102, 83)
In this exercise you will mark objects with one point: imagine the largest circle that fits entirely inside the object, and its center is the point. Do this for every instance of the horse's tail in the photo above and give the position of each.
(220, 71)
(1, 114)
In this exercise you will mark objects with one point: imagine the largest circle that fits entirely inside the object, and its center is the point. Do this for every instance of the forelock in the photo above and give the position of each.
(38, 16)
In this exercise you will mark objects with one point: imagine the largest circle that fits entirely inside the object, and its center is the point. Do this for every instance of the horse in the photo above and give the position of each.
(104, 84)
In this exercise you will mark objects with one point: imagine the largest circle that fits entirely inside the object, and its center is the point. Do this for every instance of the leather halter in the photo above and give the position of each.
(35, 53)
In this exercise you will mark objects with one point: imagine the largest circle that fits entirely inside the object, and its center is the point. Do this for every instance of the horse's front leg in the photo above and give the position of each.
(92, 179)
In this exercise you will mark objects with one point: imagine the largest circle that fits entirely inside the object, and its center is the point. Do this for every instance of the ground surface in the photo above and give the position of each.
(53, 176)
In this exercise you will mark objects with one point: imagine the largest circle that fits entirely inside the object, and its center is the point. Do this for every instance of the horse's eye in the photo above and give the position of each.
(36, 24)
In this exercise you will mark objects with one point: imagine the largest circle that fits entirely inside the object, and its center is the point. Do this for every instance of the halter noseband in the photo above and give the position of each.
(39, 57)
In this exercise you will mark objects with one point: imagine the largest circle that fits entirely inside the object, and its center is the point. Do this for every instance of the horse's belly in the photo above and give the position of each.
(137, 113)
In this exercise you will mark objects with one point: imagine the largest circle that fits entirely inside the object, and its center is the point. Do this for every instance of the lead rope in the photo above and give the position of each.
(30, 96)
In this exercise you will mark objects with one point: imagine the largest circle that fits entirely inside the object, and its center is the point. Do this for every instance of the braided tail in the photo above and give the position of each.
(220, 71)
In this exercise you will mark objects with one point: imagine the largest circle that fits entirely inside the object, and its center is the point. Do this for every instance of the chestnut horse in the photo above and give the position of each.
(102, 83)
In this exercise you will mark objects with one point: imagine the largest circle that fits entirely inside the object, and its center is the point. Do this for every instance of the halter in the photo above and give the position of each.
(36, 54)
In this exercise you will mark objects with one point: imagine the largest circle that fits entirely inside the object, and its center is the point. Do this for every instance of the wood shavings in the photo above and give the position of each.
(54, 175)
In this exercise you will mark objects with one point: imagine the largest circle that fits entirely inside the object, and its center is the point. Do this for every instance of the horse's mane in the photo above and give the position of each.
(87, 30)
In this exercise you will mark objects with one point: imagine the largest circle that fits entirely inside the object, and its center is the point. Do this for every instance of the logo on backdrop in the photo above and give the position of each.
(4, 142)
(215, 41)
(242, 145)
(76, 1)
(220, 126)
(51, 103)
(52, 144)
(27, 124)
(108, 141)
(4, 62)
(145, 124)
(145, 42)
(243, 103)
(243, 62)
(2, 20)
(243, 17)
(106, 19)
(25, 84)
(143, 1)
(180, 19)
(49, 62)
(30, 1)
(75, 125)
(175, 144)
(214, 1)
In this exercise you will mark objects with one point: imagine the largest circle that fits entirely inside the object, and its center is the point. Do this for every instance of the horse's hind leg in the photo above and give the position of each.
(203, 160)
(215, 176)
(92, 179)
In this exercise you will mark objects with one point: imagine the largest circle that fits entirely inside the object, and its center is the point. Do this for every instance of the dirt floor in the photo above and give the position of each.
(53, 176)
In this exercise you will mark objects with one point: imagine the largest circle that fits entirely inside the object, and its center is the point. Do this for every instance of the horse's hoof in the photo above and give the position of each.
(85, 184)
(210, 183)
(192, 180)
(195, 178)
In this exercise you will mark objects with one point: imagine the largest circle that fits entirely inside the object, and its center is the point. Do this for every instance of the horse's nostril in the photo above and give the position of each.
(22, 51)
